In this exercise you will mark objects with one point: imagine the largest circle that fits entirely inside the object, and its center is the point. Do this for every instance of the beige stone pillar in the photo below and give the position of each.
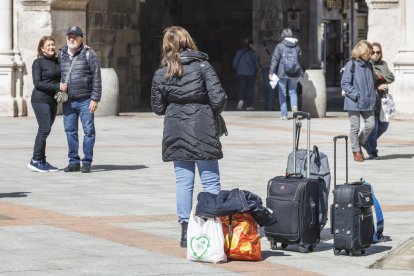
(403, 89)
(7, 65)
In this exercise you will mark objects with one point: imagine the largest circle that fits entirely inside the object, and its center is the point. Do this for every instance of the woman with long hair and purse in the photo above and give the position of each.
(383, 77)
(187, 91)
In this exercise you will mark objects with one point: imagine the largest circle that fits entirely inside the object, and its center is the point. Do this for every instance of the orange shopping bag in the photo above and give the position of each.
(244, 238)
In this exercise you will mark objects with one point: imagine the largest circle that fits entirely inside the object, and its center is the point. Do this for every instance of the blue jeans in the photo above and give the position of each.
(45, 116)
(72, 111)
(268, 92)
(287, 85)
(379, 129)
(184, 175)
(246, 85)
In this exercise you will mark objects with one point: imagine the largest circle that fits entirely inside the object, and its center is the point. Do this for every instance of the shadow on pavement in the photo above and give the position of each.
(100, 168)
(15, 194)
(396, 156)
(270, 253)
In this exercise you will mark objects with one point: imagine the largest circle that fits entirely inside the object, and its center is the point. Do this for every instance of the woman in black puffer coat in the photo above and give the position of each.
(187, 91)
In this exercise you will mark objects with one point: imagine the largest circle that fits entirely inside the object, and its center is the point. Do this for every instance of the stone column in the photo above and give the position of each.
(403, 89)
(7, 65)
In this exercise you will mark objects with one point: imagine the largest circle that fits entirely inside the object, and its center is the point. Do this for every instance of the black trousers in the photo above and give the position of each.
(45, 115)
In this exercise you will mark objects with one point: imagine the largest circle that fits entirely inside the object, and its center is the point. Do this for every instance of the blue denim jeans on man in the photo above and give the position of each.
(377, 131)
(287, 85)
(184, 174)
(72, 111)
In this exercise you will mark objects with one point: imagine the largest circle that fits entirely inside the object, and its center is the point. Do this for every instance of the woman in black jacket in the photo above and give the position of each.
(187, 91)
(46, 80)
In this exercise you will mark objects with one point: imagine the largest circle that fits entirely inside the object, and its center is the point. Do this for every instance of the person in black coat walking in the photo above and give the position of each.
(187, 90)
(46, 80)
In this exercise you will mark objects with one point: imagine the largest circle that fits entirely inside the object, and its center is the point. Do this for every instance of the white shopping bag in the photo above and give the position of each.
(387, 108)
(273, 81)
(205, 240)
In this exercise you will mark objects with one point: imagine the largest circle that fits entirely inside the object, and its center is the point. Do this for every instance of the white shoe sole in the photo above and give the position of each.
(33, 168)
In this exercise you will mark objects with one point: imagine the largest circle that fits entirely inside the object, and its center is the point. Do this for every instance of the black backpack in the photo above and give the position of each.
(290, 62)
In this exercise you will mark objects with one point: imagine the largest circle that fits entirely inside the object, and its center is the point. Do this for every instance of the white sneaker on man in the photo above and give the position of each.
(294, 108)
(240, 105)
(250, 108)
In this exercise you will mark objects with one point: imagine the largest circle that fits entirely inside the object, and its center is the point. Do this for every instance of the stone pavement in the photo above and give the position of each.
(120, 219)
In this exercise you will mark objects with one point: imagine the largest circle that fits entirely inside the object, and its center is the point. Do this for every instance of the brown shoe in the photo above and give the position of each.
(358, 156)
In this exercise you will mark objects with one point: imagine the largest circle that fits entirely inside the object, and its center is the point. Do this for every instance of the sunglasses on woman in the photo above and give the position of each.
(376, 52)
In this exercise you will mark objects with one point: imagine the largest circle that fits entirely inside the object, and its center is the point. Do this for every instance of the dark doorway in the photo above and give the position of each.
(217, 26)
(333, 53)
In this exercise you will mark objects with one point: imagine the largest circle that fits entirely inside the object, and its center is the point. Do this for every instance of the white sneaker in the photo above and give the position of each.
(250, 108)
(294, 108)
(283, 118)
(240, 105)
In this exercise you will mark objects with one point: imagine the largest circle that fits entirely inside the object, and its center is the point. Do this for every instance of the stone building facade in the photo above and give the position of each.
(126, 34)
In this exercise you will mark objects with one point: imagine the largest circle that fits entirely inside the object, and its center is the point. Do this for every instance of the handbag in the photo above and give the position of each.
(387, 108)
(62, 96)
(221, 125)
(205, 240)
(218, 119)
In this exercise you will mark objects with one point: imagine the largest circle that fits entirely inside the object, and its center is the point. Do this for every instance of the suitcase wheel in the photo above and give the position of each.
(350, 253)
(273, 244)
(302, 249)
(337, 251)
(284, 245)
(362, 251)
(311, 248)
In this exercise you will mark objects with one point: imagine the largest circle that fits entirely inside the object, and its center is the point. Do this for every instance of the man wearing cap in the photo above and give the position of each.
(84, 93)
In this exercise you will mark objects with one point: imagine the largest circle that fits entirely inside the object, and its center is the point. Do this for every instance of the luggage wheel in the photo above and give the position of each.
(362, 251)
(311, 248)
(302, 249)
(284, 245)
(273, 244)
(350, 253)
(337, 251)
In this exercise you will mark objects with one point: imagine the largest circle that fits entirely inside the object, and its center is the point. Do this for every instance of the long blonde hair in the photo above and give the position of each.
(175, 40)
(363, 47)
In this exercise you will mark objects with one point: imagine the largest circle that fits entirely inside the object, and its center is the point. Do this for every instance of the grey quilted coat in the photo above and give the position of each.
(190, 131)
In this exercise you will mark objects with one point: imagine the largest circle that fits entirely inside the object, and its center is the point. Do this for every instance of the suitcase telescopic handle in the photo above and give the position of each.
(346, 157)
(301, 114)
(295, 138)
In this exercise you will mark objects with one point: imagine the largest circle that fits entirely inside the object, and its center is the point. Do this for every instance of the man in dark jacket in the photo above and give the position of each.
(83, 78)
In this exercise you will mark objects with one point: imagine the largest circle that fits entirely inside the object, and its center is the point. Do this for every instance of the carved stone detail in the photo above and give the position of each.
(384, 4)
(36, 5)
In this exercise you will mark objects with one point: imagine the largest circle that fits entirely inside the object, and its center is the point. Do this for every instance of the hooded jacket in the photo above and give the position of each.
(359, 86)
(231, 202)
(189, 104)
(288, 42)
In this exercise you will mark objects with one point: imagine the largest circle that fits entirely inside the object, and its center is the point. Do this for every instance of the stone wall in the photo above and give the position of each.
(113, 32)
(218, 28)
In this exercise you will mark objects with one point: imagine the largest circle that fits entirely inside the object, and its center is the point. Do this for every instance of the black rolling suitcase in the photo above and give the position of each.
(351, 215)
(294, 200)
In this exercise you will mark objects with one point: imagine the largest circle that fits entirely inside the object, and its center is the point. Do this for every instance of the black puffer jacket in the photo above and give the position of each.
(231, 202)
(190, 132)
(85, 78)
